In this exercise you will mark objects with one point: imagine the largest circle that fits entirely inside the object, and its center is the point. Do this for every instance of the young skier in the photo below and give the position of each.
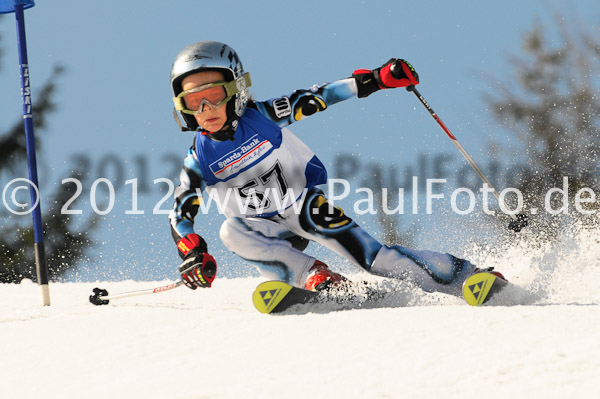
(267, 179)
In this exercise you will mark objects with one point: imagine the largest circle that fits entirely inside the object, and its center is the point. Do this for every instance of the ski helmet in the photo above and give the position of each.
(211, 56)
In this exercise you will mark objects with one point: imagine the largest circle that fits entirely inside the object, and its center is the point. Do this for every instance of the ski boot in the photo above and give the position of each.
(320, 278)
(490, 270)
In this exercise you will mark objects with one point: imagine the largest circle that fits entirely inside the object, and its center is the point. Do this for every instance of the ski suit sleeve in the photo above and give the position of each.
(187, 198)
(302, 103)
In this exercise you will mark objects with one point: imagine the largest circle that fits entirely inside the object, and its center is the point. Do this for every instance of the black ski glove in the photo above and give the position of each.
(392, 74)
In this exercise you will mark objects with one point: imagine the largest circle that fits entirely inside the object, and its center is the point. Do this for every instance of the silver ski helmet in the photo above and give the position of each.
(211, 56)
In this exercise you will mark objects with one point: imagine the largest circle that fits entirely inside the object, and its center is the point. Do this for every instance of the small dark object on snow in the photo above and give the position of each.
(96, 299)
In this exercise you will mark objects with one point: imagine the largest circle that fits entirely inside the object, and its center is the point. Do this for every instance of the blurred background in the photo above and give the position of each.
(515, 81)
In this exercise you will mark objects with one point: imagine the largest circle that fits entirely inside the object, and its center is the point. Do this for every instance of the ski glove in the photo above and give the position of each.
(189, 242)
(198, 269)
(394, 73)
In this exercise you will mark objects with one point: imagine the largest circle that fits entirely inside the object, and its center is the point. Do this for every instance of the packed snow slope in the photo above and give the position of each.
(537, 340)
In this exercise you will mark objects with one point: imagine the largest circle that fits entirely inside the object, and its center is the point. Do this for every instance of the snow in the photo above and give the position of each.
(212, 343)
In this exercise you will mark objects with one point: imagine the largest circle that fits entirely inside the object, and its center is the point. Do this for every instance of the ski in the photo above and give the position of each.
(272, 297)
(480, 287)
(277, 297)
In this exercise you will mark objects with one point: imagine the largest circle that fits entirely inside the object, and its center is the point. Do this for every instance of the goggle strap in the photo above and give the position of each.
(178, 121)
(236, 86)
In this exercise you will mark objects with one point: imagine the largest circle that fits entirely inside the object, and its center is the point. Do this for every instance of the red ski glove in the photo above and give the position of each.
(394, 73)
(198, 269)
(189, 242)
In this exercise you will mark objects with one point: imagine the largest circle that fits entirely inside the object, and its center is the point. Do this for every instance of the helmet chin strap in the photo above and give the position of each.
(226, 133)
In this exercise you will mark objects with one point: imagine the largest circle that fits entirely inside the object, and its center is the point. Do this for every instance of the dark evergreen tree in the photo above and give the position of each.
(551, 106)
(65, 244)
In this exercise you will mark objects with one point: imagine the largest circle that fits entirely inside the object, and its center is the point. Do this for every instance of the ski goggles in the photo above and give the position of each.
(194, 100)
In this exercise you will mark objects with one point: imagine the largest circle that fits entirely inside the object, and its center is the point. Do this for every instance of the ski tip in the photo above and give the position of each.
(480, 287)
(269, 294)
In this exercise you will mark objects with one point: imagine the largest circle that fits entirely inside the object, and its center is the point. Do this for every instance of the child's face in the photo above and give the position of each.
(210, 119)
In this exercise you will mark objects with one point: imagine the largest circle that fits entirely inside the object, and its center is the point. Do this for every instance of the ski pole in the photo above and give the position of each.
(17, 6)
(101, 297)
(518, 221)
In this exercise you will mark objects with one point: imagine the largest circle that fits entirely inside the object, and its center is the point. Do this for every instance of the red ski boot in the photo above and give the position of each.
(490, 270)
(320, 277)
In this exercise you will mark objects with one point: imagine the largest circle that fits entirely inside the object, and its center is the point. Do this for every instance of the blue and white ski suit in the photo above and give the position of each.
(266, 183)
